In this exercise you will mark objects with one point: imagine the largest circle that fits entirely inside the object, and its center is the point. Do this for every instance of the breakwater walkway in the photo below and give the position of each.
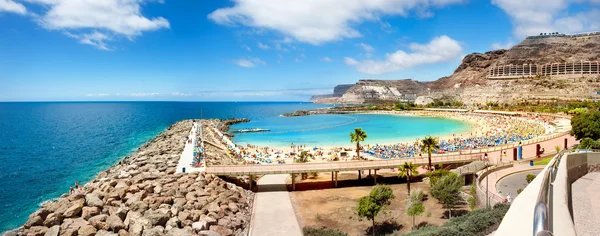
(187, 156)
(273, 212)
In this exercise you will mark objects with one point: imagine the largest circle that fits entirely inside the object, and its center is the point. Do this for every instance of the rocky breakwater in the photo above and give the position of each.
(142, 195)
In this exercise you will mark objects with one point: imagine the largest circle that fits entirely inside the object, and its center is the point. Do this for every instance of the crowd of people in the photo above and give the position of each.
(493, 131)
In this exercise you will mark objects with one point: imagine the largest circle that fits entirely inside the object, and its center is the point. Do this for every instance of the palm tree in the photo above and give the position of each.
(407, 170)
(429, 145)
(358, 136)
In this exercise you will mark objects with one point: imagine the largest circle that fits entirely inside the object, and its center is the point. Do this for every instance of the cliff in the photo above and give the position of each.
(469, 82)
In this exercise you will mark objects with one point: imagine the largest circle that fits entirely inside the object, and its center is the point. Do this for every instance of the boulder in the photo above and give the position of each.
(53, 231)
(115, 223)
(208, 233)
(93, 200)
(99, 222)
(158, 217)
(88, 212)
(178, 232)
(53, 219)
(199, 226)
(37, 231)
(86, 230)
(156, 231)
(105, 233)
(73, 211)
(34, 220)
(221, 230)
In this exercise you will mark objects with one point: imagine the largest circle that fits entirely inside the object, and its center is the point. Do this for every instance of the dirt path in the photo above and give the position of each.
(273, 211)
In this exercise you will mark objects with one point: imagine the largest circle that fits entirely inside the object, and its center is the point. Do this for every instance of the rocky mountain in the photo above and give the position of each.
(469, 82)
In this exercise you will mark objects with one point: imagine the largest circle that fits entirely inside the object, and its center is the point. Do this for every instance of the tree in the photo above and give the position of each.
(369, 206)
(586, 125)
(407, 170)
(302, 158)
(447, 190)
(358, 136)
(414, 208)
(429, 145)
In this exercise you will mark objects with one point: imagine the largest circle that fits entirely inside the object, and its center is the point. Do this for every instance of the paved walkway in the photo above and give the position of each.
(586, 204)
(187, 156)
(273, 212)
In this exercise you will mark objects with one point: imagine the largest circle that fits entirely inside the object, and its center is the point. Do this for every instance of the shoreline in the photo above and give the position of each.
(142, 193)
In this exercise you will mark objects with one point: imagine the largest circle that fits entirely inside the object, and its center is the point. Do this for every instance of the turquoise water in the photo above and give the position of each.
(334, 130)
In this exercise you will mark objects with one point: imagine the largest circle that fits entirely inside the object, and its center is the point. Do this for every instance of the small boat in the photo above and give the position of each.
(251, 130)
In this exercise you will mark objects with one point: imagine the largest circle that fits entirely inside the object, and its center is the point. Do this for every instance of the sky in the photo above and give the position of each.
(253, 50)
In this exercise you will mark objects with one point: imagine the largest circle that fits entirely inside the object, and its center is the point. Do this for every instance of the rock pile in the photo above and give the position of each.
(142, 195)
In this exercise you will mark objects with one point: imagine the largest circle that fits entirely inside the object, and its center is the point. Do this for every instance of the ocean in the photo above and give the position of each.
(45, 147)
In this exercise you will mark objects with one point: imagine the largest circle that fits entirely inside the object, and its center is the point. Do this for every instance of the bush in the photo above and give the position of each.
(478, 222)
(310, 231)
(436, 174)
(529, 177)
(519, 191)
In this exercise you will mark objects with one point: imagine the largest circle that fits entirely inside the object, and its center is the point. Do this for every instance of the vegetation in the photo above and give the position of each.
(356, 137)
(529, 178)
(543, 161)
(473, 198)
(400, 106)
(448, 103)
(429, 145)
(414, 208)
(437, 174)
(310, 231)
(478, 222)
(302, 158)
(369, 206)
(588, 143)
(447, 190)
(586, 125)
(407, 170)
(519, 191)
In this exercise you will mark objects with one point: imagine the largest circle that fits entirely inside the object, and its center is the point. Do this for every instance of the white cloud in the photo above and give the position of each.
(532, 17)
(11, 6)
(318, 21)
(326, 59)
(94, 21)
(263, 46)
(507, 45)
(440, 49)
(95, 39)
(266, 93)
(247, 48)
(367, 48)
(249, 63)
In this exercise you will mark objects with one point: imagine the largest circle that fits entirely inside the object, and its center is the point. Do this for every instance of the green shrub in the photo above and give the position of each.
(477, 222)
(519, 191)
(529, 177)
(310, 231)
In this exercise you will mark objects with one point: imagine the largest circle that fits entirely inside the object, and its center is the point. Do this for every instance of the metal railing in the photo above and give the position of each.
(542, 218)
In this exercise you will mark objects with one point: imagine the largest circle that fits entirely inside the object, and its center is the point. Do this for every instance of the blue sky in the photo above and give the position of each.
(242, 50)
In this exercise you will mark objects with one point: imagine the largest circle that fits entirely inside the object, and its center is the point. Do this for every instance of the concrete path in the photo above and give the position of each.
(586, 204)
(187, 156)
(273, 213)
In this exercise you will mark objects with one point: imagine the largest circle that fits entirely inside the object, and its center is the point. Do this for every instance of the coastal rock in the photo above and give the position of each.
(73, 211)
(115, 223)
(99, 222)
(221, 230)
(158, 217)
(208, 233)
(86, 230)
(37, 231)
(88, 212)
(93, 200)
(53, 219)
(53, 231)
(178, 232)
(156, 231)
(34, 220)
(198, 226)
(105, 233)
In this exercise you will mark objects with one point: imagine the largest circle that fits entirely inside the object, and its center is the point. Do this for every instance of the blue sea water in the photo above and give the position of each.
(46, 147)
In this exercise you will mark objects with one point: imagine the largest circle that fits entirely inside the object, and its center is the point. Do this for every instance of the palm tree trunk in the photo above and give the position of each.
(408, 181)
(413, 222)
(357, 147)
(429, 157)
